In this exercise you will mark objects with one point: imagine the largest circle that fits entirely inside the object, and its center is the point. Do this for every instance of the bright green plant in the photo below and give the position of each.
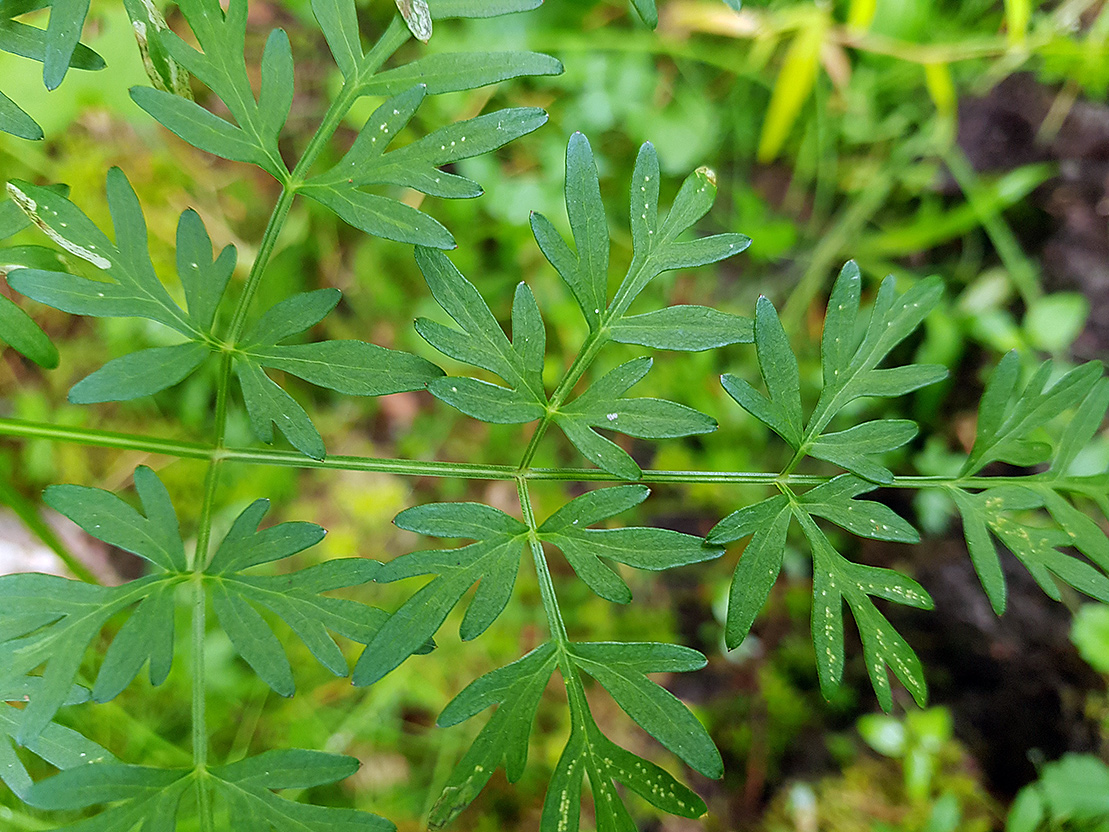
(50, 623)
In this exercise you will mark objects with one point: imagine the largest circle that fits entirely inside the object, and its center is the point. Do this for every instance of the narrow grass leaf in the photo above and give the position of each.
(792, 86)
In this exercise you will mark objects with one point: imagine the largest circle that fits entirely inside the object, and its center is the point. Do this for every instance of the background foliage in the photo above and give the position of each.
(959, 140)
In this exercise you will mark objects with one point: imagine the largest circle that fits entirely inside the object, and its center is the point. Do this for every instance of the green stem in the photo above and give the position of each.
(199, 708)
(542, 571)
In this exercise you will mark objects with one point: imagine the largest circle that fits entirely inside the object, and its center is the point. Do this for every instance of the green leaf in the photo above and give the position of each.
(291, 316)
(353, 368)
(647, 11)
(834, 500)
(23, 335)
(50, 622)
(147, 636)
(621, 669)
(155, 537)
(136, 290)
(245, 788)
(1082, 427)
(338, 21)
(380, 216)
(444, 9)
(849, 364)
(643, 548)
(62, 747)
(687, 328)
(200, 128)
(203, 279)
(1034, 546)
(141, 794)
(220, 64)
(164, 72)
(493, 561)
(482, 343)
(853, 447)
(140, 373)
(836, 579)
(516, 690)
(14, 120)
(295, 598)
(586, 272)
(416, 165)
(456, 71)
(781, 412)
(601, 406)
(63, 33)
(1007, 418)
(758, 566)
(267, 404)
(590, 753)
(30, 42)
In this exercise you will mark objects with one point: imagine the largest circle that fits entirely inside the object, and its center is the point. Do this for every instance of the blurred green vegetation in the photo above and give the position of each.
(836, 130)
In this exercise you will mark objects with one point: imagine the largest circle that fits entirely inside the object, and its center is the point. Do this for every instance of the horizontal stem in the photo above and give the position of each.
(439, 468)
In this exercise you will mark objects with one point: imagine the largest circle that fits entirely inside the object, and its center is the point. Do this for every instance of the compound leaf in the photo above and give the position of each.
(836, 579)
(443, 9)
(14, 120)
(620, 668)
(51, 621)
(380, 216)
(758, 566)
(482, 343)
(203, 279)
(267, 404)
(602, 406)
(353, 368)
(338, 21)
(1034, 546)
(140, 794)
(62, 747)
(1007, 419)
(136, 290)
(834, 500)
(155, 537)
(295, 597)
(640, 547)
(246, 789)
(492, 562)
(146, 637)
(852, 448)
(849, 364)
(221, 65)
(590, 753)
(515, 689)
